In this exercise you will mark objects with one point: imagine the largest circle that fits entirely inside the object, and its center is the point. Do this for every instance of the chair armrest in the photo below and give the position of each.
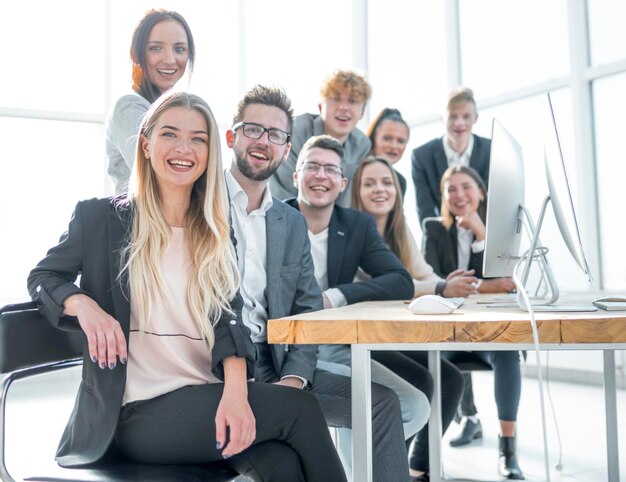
(27, 339)
(5, 384)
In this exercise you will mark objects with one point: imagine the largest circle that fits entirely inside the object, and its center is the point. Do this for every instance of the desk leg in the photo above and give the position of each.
(434, 422)
(361, 414)
(610, 400)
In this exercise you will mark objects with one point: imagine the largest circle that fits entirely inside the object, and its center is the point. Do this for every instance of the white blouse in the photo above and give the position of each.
(171, 352)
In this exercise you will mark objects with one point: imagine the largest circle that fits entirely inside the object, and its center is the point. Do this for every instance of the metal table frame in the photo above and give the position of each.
(362, 404)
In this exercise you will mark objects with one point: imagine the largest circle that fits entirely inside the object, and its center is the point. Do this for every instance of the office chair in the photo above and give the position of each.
(30, 346)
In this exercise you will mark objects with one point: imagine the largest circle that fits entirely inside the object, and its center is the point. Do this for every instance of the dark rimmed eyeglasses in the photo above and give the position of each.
(255, 131)
(329, 169)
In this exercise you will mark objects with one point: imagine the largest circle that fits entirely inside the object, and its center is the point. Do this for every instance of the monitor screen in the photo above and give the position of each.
(505, 201)
(560, 193)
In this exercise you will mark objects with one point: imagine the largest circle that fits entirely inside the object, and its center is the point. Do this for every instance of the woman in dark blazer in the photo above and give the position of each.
(457, 242)
(167, 356)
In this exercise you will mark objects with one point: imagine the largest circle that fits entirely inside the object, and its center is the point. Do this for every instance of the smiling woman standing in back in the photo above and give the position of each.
(162, 49)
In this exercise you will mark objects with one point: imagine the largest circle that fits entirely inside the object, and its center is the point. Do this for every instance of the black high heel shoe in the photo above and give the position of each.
(508, 466)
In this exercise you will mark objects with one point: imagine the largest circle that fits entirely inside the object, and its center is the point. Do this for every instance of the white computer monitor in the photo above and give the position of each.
(505, 202)
(507, 216)
(560, 194)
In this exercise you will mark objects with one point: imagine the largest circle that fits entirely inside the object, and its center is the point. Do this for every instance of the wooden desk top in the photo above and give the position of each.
(392, 322)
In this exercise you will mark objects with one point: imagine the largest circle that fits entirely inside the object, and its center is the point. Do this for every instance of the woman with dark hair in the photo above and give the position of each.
(162, 50)
(376, 191)
(457, 242)
(389, 135)
(166, 353)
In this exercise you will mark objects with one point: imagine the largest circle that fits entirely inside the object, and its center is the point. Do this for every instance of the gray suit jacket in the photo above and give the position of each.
(291, 287)
(356, 147)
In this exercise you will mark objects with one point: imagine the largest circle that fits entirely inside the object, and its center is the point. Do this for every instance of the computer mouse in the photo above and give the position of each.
(432, 305)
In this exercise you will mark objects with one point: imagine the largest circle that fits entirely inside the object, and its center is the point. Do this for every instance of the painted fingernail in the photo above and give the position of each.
(123, 360)
(225, 456)
(103, 365)
(218, 445)
(111, 365)
(94, 358)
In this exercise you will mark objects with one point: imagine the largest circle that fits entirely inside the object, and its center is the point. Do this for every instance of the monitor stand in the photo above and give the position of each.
(537, 253)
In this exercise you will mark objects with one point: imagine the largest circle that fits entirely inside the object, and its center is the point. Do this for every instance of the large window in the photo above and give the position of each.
(610, 105)
(65, 74)
(52, 61)
(295, 46)
(606, 26)
(407, 56)
(509, 45)
(47, 167)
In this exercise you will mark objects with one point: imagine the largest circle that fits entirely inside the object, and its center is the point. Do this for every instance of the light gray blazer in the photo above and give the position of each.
(356, 147)
(122, 130)
(291, 287)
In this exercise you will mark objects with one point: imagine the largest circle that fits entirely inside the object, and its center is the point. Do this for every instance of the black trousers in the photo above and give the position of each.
(412, 366)
(179, 428)
(334, 393)
(507, 382)
(468, 407)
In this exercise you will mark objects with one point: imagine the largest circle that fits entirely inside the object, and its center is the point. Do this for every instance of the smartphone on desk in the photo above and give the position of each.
(611, 303)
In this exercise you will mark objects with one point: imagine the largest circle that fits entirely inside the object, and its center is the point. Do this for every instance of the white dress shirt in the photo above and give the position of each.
(454, 157)
(319, 253)
(466, 245)
(252, 259)
(465, 238)
(251, 256)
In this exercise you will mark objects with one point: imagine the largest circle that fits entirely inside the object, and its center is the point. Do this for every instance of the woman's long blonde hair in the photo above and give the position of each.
(396, 231)
(214, 278)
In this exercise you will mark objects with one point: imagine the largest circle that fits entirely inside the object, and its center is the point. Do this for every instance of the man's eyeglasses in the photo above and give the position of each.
(255, 131)
(329, 169)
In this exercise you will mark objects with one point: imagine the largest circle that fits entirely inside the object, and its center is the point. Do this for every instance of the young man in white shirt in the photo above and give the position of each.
(344, 241)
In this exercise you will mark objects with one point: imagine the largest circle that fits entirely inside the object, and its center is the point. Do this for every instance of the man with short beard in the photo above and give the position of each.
(277, 276)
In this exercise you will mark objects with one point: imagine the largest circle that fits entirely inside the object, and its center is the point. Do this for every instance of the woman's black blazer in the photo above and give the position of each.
(441, 250)
(92, 247)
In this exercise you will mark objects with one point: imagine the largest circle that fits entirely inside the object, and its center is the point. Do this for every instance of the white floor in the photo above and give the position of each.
(38, 409)
(579, 413)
